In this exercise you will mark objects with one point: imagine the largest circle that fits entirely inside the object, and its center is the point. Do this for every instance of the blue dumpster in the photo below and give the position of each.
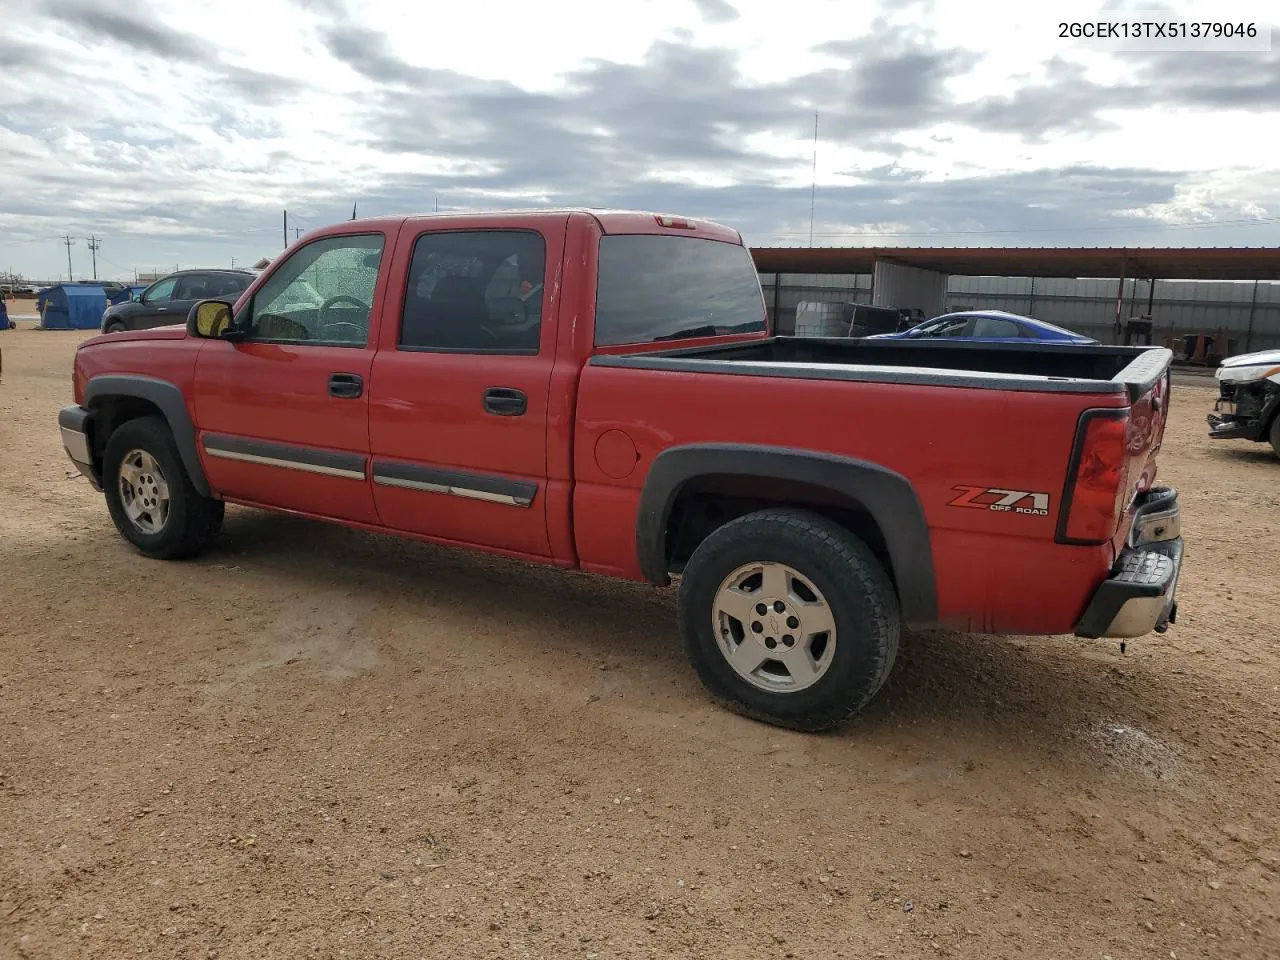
(127, 293)
(72, 306)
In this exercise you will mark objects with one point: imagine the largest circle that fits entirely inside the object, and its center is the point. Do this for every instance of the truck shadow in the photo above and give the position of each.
(1036, 696)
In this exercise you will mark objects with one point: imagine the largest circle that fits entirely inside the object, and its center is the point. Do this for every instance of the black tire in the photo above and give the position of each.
(1274, 435)
(115, 326)
(861, 598)
(192, 520)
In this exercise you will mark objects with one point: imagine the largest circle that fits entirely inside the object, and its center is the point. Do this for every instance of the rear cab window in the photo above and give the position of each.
(654, 288)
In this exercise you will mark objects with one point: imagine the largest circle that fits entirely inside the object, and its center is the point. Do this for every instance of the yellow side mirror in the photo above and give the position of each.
(212, 318)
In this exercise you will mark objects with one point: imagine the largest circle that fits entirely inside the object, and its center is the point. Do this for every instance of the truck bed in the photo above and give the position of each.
(1037, 367)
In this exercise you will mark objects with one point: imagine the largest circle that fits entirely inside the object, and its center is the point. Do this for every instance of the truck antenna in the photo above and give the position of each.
(813, 190)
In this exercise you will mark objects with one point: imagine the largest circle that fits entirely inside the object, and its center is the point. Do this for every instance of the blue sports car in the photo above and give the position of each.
(989, 326)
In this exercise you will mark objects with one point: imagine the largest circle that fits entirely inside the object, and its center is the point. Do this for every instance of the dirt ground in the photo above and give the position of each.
(314, 742)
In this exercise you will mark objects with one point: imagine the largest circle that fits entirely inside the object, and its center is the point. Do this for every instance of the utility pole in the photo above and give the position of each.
(297, 232)
(94, 244)
(67, 240)
(286, 228)
(233, 263)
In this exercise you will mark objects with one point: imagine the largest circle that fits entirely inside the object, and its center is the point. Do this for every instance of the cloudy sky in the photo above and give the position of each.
(178, 130)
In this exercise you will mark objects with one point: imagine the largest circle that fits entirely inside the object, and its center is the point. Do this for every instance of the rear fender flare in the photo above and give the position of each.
(168, 398)
(887, 496)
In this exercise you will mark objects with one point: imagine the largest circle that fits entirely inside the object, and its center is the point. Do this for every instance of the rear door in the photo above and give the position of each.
(191, 289)
(283, 415)
(460, 386)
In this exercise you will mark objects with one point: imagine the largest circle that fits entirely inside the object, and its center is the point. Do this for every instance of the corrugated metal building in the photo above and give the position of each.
(1233, 293)
(1180, 307)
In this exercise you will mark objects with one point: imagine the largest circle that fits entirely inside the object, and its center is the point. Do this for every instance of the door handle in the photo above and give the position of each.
(348, 386)
(505, 401)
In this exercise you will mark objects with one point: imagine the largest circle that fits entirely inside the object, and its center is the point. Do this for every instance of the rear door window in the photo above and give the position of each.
(195, 286)
(475, 291)
(654, 288)
(996, 328)
(227, 286)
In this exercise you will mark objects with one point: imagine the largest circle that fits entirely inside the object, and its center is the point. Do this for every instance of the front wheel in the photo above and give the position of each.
(1274, 435)
(789, 618)
(115, 326)
(149, 493)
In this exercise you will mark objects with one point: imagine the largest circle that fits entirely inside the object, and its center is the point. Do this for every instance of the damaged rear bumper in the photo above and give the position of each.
(1140, 596)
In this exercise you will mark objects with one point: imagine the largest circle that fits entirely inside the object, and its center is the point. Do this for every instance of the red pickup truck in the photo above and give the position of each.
(601, 391)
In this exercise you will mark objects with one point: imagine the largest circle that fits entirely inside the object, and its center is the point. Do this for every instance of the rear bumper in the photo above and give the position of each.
(75, 424)
(1140, 596)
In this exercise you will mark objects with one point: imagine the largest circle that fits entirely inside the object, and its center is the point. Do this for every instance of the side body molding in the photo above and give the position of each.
(887, 496)
(169, 399)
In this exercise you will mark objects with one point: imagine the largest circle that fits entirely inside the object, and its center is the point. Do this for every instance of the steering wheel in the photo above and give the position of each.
(340, 298)
(328, 325)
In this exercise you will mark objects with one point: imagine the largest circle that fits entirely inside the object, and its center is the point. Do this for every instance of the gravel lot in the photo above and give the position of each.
(314, 742)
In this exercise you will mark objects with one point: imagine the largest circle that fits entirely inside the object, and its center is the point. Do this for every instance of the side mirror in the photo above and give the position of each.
(209, 319)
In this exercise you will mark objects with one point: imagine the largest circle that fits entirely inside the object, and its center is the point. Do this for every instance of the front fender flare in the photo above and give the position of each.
(168, 398)
(886, 495)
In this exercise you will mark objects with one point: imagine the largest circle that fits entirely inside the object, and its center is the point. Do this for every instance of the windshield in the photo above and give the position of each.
(654, 288)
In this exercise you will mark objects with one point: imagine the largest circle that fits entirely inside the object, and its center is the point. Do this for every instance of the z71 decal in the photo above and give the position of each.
(1000, 500)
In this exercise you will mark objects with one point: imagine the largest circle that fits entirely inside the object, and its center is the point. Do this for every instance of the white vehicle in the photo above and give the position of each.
(1248, 399)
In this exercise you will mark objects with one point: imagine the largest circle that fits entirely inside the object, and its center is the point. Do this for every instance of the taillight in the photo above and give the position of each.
(1095, 487)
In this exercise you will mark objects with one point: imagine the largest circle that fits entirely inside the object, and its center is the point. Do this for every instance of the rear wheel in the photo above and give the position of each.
(115, 326)
(1274, 435)
(149, 493)
(789, 618)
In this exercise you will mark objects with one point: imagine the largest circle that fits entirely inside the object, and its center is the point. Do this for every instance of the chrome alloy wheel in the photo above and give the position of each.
(774, 627)
(144, 492)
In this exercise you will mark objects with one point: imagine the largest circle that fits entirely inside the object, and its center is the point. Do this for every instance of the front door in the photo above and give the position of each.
(283, 415)
(458, 407)
(157, 306)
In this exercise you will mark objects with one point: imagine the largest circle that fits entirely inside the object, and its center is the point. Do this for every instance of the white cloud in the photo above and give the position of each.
(184, 127)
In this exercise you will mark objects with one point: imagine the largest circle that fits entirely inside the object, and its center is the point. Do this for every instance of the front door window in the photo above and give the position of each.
(321, 295)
